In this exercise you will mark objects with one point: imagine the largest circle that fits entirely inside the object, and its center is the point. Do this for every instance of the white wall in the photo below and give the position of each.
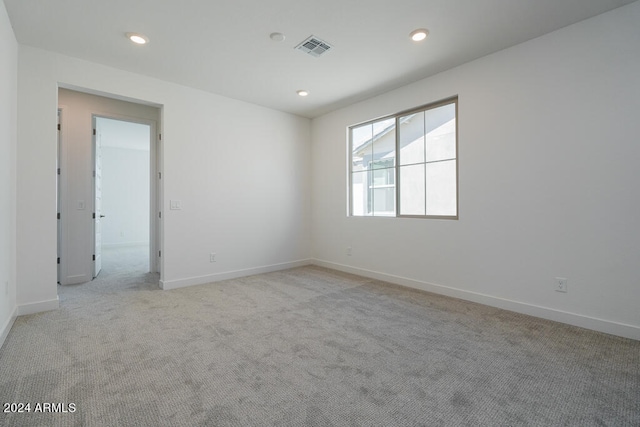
(549, 155)
(76, 174)
(8, 138)
(125, 196)
(240, 171)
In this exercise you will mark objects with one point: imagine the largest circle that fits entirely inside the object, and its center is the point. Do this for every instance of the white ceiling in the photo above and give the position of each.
(224, 46)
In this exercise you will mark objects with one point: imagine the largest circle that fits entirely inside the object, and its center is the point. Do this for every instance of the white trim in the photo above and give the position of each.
(4, 332)
(600, 325)
(201, 280)
(37, 307)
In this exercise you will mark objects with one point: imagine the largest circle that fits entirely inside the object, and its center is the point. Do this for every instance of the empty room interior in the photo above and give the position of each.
(293, 213)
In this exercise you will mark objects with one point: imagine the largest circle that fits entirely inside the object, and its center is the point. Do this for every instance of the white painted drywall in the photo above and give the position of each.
(241, 172)
(549, 158)
(8, 139)
(125, 196)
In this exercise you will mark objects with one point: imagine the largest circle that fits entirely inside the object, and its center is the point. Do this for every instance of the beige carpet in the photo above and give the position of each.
(305, 347)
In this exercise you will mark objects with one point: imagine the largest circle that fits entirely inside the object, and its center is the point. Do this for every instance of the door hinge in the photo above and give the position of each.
(94, 215)
(159, 253)
(58, 126)
(160, 136)
(160, 214)
(94, 131)
(58, 215)
(159, 175)
(94, 174)
(58, 260)
(58, 171)
(94, 257)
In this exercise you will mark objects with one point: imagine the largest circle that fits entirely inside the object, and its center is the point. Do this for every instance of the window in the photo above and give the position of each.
(406, 165)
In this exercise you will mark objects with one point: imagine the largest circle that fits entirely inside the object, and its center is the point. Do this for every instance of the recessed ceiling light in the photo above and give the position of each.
(277, 37)
(302, 93)
(138, 38)
(419, 34)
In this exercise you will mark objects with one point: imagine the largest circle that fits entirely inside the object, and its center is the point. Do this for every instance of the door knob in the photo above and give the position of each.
(102, 216)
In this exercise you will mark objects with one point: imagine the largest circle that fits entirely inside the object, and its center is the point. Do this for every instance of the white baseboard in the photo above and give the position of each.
(201, 280)
(37, 307)
(600, 325)
(7, 326)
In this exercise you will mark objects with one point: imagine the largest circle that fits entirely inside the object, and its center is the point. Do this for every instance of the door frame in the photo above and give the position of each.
(154, 185)
(59, 198)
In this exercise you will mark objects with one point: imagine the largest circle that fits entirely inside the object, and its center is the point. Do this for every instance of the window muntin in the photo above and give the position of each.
(406, 165)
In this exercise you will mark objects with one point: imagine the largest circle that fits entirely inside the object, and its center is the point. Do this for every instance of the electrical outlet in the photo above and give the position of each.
(212, 257)
(561, 284)
(349, 251)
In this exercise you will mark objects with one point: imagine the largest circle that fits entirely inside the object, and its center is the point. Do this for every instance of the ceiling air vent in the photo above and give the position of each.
(314, 46)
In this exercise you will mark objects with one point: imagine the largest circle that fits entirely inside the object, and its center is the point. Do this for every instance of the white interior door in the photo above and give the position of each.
(97, 215)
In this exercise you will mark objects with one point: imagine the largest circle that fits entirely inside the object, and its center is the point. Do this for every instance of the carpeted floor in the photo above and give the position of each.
(305, 347)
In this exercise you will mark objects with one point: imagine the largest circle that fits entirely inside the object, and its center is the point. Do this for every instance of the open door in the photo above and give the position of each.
(97, 192)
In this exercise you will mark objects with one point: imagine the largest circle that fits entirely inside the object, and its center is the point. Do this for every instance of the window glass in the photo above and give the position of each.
(412, 189)
(441, 188)
(441, 133)
(411, 141)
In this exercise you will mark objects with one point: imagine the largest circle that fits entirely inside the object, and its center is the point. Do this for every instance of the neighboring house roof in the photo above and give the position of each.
(379, 134)
(444, 128)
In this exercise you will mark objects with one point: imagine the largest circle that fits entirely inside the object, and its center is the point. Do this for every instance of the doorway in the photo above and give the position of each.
(122, 165)
(109, 184)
